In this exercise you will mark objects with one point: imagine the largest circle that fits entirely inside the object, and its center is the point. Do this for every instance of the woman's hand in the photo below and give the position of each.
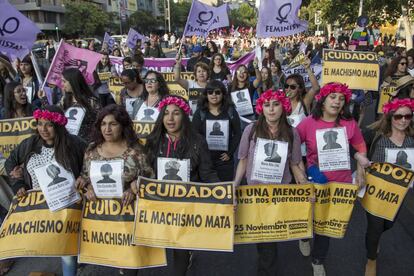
(256, 63)
(90, 193)
(134, 187)
(127, 197)
(21, 192)
(17, 172)
(80, 183)
(360, 177)
(363, 161)
(224, 157)
(41, 94)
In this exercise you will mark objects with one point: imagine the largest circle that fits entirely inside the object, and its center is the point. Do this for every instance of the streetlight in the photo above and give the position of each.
(57, 32)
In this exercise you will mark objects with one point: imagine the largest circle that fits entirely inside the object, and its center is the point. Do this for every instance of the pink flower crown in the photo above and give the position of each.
(277, 95)
(334, 87)
(176, 101)
(397, 103)
(54, 117)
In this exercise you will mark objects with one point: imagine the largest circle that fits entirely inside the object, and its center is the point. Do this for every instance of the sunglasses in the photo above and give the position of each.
(150, 81)
(291, 86)
(398, 117)
(403, 63)
(215, 92)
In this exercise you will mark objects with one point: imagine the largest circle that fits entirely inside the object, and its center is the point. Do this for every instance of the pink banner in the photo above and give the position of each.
(69, 56)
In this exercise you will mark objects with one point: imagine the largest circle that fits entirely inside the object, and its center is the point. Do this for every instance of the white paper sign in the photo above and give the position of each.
(147, 114)
(217, 134)
(295, 119)
(173, 169)
(243, 102)
(269, 160)
(193, 106)
(129, 105)
(29, 93)
(106, 177)
(75, 117)
(57, 185)
(333, 149)
(403, 157)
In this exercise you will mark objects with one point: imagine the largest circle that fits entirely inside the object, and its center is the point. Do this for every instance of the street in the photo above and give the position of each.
(346, 257)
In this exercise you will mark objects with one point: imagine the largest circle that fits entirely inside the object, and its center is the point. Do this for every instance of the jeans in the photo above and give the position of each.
(320, 249)
(376, 226)
(69, 265)
(267, 258)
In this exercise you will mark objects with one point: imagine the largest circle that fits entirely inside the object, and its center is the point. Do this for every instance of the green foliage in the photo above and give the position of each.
(143, 21)
(244, 16)
(84, 18)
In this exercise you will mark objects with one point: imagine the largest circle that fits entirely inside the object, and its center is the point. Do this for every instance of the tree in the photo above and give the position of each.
(143, 21)
(179, 13)
(84, 18)
(245, 16)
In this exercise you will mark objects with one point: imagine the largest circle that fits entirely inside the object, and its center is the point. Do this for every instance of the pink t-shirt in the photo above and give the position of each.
(307, 132)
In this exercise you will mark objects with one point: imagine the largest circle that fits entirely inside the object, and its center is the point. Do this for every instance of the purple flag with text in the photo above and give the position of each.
(204, 18)
(109, 40)
(279, 18)
(133, 37)
(17, 32)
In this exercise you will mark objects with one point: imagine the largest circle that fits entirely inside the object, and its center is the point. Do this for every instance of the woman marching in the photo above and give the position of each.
(51, 143)
(218, 69)
(269, 150)
(217, 119)
(173, 146)
(394, 132)
(330, 127)
(133, 90)
(16, 104)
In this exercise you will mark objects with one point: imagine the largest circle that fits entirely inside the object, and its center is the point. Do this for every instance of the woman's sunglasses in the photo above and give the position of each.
(398, 117)
(215, 92)
(291, 86)
(150, 81)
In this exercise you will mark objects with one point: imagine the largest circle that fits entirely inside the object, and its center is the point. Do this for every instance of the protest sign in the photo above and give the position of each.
(18, 33)
(115, 86)
(133, 37)
(385, 96)
(269, 213)
(143, 129)
(30, 229)
(181, 215)
(106, 177)
(316, 69)
(279, 18)
(359, 70)
(387, 185)
(75, 116)
(110, 41)
(68, 56)
(13, 132)
(175, 88)
(242, 101)
(204, 18)
(104, 76)
(107, 238)
(333, 149)
(333, 208)
(217, 134)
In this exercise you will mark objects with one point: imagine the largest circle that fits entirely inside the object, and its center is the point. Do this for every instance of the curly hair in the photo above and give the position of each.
(163, 89)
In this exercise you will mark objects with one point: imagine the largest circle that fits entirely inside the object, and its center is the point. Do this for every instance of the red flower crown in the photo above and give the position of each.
(176, 101)
(277, 95)
(397, 103)
(54, 117)
(334, 87)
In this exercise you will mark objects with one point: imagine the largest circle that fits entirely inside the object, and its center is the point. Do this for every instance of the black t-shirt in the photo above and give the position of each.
(221, 76)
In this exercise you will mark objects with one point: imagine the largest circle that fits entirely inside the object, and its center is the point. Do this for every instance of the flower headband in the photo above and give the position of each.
(176, 101)
(397, 103)
(54, 117)
(277, 95)
(334, 87)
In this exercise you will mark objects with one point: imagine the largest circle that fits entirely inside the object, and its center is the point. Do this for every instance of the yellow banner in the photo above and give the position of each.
(107, 237)
(387, 185)
(174, 87)
(143, 129)
(269, 213)
(333, 208)
(32, 230)
(185, 215)
(298, 60)
(359, 70)
(104, 76)
(115, 86)
(13, 131)
(385, 96)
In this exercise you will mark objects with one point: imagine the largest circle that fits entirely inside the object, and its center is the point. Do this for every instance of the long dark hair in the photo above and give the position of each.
(80, 90)
(223, 64)
(63, 143)
(132, 75)
(187, 136)
(301, 89)
(384, 126)
(10, 104)
(269, 81)
(213, 85)
(163, 89)
(345, 113)
(284, 130)
(121, 116)
(235, 82)
(392, 68)
(100, 66)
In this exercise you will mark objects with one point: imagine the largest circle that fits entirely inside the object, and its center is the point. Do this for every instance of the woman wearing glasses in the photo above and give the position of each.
(217, 120)
(218, 68)
(397, 69)
(394, 132)
(241, 79)
(134, 88)
(301, 99)
(154, 91)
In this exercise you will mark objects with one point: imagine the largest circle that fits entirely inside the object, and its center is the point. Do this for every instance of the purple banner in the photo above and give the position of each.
(280, 18)
(109, 40)
(17, 32)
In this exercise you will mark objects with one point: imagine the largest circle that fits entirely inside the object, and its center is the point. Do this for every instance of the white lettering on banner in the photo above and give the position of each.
(316, 69)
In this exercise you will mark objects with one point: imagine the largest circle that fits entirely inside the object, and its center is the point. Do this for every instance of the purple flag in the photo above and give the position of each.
(204, 18)
(133, 37)
(17, 32)
(109, 40)
(279, 18)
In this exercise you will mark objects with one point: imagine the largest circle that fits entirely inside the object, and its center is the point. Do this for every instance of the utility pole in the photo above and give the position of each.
(361, 4)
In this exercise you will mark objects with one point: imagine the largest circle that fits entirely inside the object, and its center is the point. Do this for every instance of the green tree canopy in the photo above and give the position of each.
(143, 21)
(84, 18)
(244, 16)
